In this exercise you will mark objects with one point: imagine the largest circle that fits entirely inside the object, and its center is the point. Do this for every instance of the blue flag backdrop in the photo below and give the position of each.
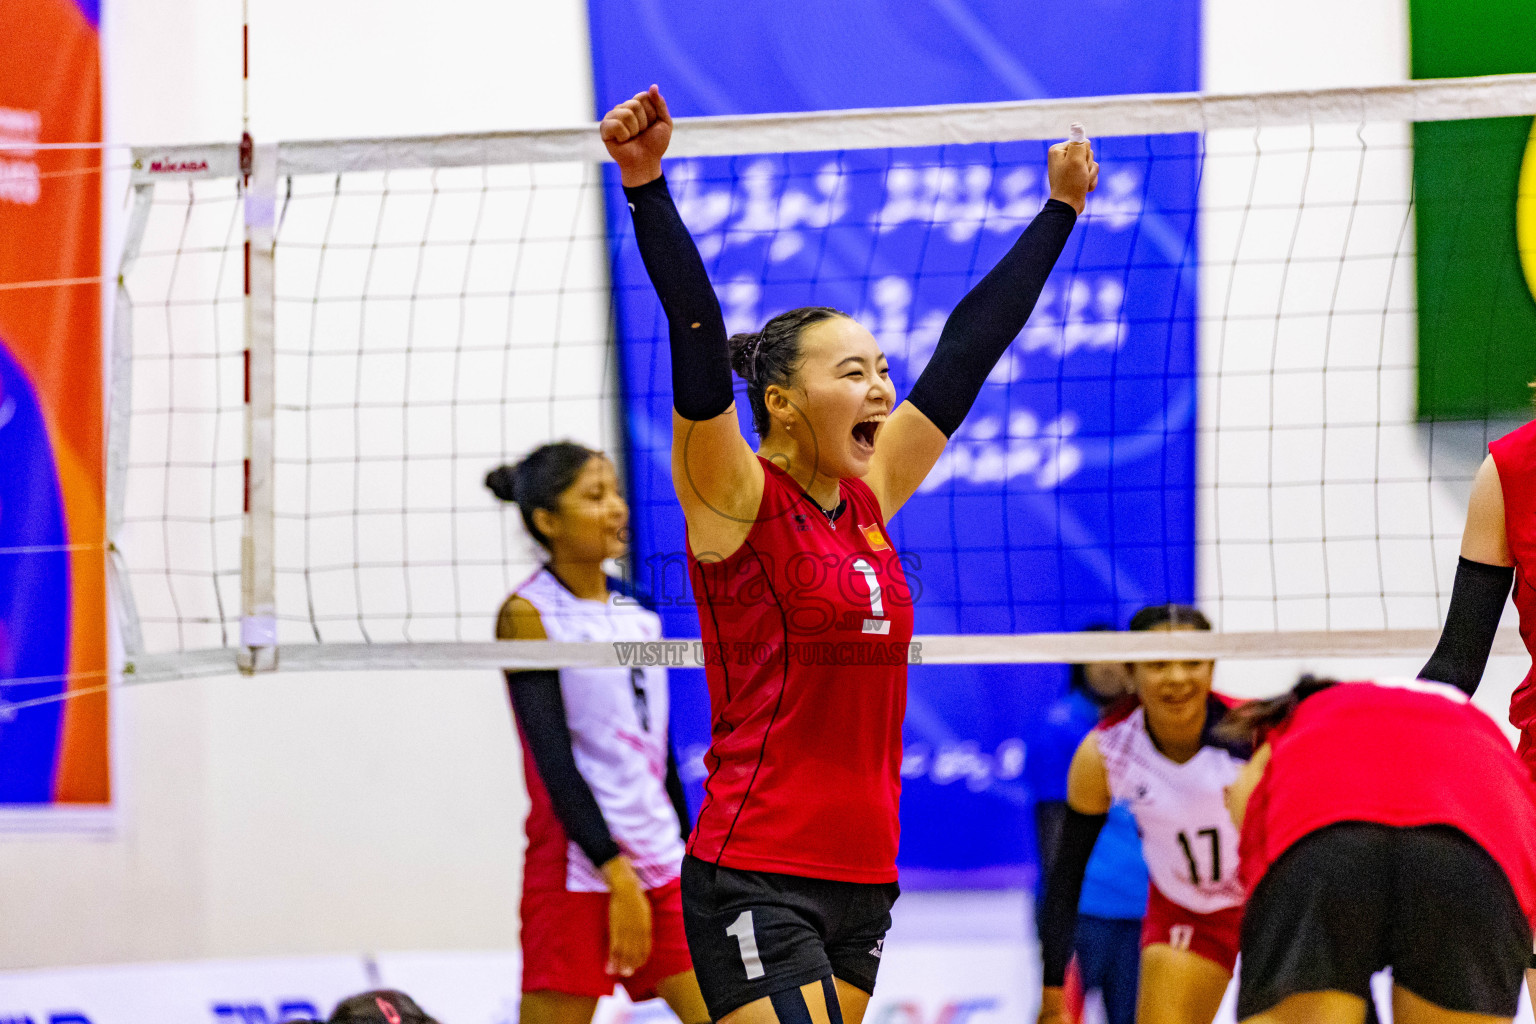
(1068, 495)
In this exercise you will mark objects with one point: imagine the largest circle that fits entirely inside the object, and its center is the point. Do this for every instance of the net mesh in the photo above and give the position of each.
(1320, 505)
(179, 533)
(430, 324)
(1238, 302)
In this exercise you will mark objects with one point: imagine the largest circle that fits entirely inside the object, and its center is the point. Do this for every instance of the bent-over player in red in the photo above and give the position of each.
(1384, 824)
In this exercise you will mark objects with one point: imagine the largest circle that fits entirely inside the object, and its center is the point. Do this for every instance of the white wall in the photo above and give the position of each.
(313, 813)
(295, 813)
(337, 70)
(1306, 44)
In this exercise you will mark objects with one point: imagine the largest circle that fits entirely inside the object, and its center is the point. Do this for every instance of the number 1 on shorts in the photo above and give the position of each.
(746, 938)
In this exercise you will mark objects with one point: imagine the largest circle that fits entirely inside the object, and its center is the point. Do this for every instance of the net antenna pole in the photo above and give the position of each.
(258, 180)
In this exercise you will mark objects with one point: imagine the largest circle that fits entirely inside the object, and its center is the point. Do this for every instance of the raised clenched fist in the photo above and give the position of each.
(1073, 173)
(636, 133)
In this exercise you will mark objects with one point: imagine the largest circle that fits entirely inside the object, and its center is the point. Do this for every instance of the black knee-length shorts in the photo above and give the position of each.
(1350, 899)
(756, 933)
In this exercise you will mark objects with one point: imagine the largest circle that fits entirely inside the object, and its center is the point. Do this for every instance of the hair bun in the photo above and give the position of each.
(744, 354)
(502, 482)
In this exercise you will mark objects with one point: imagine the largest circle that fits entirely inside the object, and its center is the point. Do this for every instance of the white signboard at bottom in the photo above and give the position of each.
(955, 982)
(202, 992)
(939, 983)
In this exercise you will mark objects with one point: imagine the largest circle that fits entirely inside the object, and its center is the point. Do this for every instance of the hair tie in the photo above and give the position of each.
(753, 357)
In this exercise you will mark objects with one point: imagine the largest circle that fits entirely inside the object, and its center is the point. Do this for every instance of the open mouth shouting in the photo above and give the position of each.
(864, 432)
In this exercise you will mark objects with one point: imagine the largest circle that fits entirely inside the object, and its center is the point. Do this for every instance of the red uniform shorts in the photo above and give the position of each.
(1213, 936)
(565, 943)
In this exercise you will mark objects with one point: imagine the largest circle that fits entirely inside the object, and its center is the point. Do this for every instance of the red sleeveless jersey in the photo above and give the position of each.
(1401, 753)
(1515, 456)
(806, 631)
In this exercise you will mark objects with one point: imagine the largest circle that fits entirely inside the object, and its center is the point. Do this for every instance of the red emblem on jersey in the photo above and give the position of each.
(875, 537)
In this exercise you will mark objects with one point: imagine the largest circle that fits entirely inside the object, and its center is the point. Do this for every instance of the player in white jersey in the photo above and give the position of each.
(601, 898)
(1159, 755)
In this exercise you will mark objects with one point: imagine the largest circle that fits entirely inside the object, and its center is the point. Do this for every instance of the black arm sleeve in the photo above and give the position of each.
(1477, 602)
(987, 320)
(678, 797)
(1049, 815)
(540, 712)
(701, 360)
(1058, 911)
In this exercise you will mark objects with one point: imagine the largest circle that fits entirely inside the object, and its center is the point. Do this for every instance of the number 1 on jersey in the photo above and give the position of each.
(746, 938)
(879, 623)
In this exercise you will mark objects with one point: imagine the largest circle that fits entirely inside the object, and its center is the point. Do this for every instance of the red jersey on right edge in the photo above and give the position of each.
(1400, 753)
(806, 628)
(1515, 456)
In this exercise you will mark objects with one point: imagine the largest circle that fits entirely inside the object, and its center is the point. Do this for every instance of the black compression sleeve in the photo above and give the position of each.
(1049, 815)
(676, 795)
(540, 712)
(701, 360)
(1477, 602)
(1058, 911)
(987, 320)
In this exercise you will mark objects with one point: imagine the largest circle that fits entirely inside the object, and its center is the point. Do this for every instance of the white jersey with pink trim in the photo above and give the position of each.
(1187, 835)
(618, 719)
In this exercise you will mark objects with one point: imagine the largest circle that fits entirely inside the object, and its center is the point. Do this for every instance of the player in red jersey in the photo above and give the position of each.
(601, 896)
(1161, 756)
(1498, 548)
(1384, 823)
(803, 604)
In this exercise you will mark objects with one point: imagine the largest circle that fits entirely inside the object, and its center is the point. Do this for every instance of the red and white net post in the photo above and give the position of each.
(258, 607)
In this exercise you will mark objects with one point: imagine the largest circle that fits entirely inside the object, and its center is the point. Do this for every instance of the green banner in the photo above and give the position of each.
(1475, 199)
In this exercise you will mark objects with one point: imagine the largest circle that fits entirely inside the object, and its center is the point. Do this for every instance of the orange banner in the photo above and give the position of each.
(52, 444)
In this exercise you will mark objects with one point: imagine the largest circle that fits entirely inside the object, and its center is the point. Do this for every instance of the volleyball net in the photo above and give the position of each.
(1227, 395)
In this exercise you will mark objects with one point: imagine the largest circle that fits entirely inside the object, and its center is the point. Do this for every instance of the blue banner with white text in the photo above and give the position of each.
(1068, 496)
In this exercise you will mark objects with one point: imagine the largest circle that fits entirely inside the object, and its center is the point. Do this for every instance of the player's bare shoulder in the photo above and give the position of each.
(519, 620)
(1087, 779)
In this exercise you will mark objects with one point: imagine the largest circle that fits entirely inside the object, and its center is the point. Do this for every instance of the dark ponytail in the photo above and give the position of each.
(772, 356)
(538, 480)
(1250, 721)
(503, 482)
